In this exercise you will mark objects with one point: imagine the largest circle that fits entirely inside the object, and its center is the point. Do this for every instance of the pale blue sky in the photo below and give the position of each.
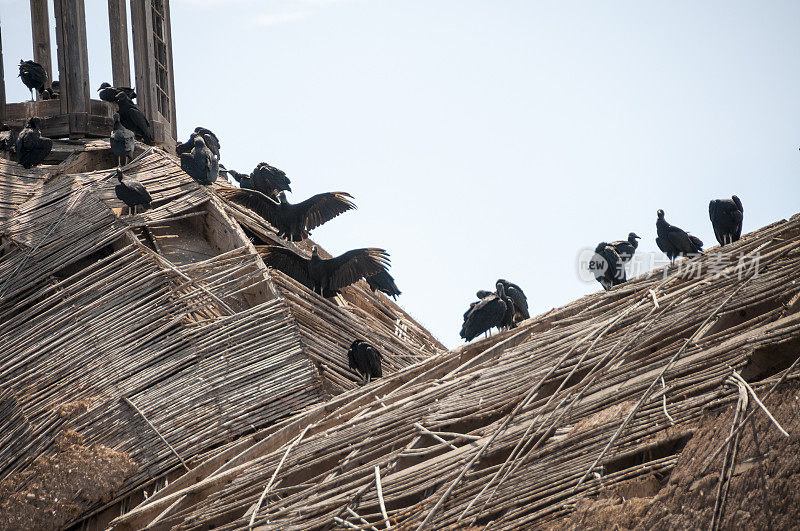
(494, 138)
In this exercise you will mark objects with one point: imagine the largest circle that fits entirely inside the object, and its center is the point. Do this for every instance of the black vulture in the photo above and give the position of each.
(243, 179)
(364, 360)
(626, 248)
(109, 93)
(8, 138)
(33, 75)
(211, 140)
(292, 221)
(517, 297)
(726, 217)
(269, 180)
(492, 311)
(675, 241)
(133, 118)
(49, 94)
(131, 192)
(123, 141)
(384, 282)
(32, 147)
(326, 276)
(200, 163)
(612, 271)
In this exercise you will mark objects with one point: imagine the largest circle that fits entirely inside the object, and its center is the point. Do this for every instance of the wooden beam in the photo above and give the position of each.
(120, 55)
(143, 61)
(40, 30)
(73, 56)
(173, 115)
(2, 80)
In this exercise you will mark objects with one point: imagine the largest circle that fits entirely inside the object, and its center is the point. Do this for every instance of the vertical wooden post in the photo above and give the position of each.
(73, 62)
(2, 80)
(120, 56)
(173, 118)
(40, 29)
(143, 61)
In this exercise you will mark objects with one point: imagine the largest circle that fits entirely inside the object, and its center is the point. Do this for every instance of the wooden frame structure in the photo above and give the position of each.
(76, 114)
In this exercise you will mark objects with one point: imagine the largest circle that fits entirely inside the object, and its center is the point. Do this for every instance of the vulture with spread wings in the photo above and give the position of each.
(293, 221)
(326, 276)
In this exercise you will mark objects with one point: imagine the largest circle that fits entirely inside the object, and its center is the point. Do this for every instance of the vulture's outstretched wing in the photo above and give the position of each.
(321, 208)
(261, 204)
(354, 265)
(288, 262)
(487, 313)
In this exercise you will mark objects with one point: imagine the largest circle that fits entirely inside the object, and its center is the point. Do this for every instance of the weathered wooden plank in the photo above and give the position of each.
(73, 56)
(118, 31)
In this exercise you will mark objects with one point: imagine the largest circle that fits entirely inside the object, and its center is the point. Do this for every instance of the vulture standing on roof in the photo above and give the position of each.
(726, 217)
(123, 141)
(674, 241)
(133, 118)
(495, 310)
(33, 75)
(210, 139)
(269, 180)
(384, 282)
(326, 276)
(364, 360)
(200, 163)
(131, 192)
(241, 178)
(517, 297)
(614, 271)
(32, 147)
(109, 93)
(293, 221)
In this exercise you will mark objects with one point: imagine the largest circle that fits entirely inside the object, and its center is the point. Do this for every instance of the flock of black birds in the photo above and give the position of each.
(263, 191)
(726, 218)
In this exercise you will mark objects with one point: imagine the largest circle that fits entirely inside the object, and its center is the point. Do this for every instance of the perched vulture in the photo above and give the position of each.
(384, 282)
(626, 248)
(32, 147)
(292, 221)
(210, 139)
(614, 271)
(326, 276)
(496, 310)
(244, 180)
(133, 118)
(726, 217)
(123, 141)
(131, 192)
(269, 180)
(364, 360)
(200, 163)
(675, 241)
(109, 93)
(33, 75)
(517, 297)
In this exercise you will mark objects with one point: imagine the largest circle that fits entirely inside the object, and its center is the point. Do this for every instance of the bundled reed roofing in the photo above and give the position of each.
(161, 335)
(513, 431)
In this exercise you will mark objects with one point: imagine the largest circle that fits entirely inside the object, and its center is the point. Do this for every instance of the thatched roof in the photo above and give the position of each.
(133, 348)
(515, 431)
(124, 329)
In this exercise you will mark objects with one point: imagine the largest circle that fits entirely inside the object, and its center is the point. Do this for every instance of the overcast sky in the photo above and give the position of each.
(486, 139)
